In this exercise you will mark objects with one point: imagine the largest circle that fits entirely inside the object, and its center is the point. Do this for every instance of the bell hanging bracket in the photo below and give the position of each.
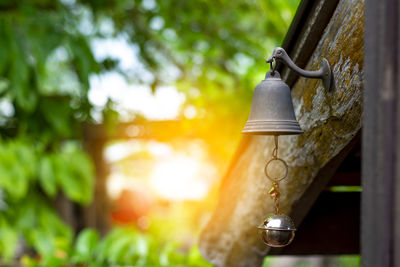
(324, 73)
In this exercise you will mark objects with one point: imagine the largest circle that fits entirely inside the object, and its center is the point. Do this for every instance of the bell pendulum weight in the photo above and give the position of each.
(278, 229)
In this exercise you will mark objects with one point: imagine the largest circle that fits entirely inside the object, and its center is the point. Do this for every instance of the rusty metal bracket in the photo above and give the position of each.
(324, 73)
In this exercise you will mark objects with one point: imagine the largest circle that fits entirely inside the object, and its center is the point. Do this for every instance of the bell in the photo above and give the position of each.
(277, 230)
(272, 110)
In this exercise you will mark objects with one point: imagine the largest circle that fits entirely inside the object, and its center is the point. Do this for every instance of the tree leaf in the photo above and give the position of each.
(85, 246)
(75, 175)
(47, 178)
(8, 240)
(14, 174)
(57, 112)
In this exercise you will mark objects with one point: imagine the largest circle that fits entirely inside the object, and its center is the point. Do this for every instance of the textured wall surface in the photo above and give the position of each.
(329, 119)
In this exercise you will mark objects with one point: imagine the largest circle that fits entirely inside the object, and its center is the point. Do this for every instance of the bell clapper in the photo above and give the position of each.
(277, 230)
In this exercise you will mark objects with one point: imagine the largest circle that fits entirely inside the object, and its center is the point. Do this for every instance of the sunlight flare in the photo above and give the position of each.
(180, 178)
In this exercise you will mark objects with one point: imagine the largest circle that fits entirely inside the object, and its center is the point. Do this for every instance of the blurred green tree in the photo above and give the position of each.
(47, 59)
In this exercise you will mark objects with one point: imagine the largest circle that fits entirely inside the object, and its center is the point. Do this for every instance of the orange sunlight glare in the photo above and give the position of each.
(180, 178)
(166, 173)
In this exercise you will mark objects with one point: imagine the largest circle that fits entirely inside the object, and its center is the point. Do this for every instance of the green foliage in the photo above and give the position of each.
(8, 239)
(339, 261)
(26, 172)
(17, 168)
(349, 260)
(75, 174)
(36, 162)
(36, 222)
(120, 247)
(126, 246)
(85, 245)
(68, 169)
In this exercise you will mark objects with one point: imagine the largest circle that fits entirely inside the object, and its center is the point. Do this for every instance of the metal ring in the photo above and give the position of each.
(272, 65)
(279, 178)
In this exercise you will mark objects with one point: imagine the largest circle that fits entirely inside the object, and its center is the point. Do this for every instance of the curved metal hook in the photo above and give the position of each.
(323, 73)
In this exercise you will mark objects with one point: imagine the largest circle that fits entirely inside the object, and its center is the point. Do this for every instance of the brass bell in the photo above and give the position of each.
(272, 111)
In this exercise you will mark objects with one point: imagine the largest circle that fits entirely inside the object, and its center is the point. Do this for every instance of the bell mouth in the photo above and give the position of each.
(276, 127)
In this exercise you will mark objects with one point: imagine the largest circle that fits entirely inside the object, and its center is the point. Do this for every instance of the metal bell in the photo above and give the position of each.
(272, 111)
(277, 230)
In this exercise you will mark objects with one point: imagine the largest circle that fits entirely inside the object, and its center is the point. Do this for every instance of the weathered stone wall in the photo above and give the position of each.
(329, 119)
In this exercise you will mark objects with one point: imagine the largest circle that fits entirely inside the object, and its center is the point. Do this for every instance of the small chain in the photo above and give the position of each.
(274, 192)
(275, 151)
(276, 204)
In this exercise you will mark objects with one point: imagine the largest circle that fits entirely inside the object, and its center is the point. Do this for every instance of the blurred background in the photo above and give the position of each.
(118, 119)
